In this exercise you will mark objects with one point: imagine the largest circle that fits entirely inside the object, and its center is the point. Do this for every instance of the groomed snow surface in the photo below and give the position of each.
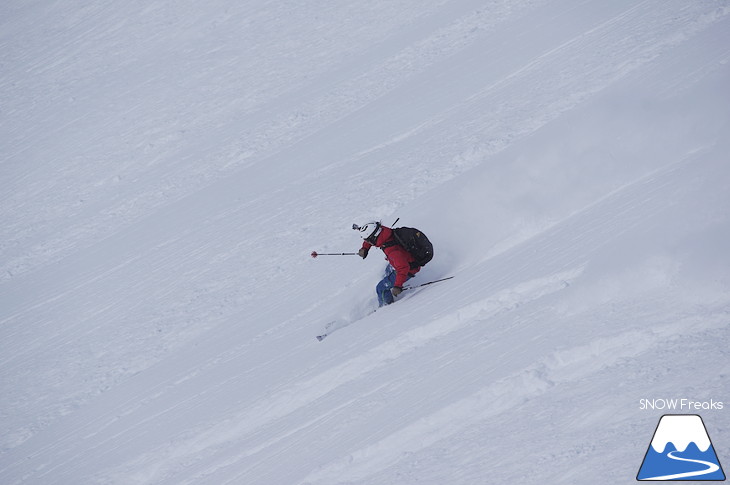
(167, 167)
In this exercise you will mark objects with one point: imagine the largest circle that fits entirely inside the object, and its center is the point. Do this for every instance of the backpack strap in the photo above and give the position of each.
(395, 241)
(388, 244)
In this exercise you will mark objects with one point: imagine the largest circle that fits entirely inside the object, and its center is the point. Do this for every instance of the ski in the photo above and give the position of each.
(326, 329)
(333, 325)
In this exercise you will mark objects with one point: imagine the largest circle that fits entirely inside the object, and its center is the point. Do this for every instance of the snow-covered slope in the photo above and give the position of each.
(167, 168)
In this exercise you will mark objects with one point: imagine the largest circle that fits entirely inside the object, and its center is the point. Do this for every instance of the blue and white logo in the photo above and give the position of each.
(681, 450)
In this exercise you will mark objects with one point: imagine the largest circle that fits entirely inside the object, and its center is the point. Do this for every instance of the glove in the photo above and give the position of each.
(396, 290)
(363, 253)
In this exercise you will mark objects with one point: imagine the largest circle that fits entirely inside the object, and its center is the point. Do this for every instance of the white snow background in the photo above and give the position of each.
(167, 167)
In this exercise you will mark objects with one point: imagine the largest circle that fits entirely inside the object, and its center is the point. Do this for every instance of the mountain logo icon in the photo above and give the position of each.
(681, 450)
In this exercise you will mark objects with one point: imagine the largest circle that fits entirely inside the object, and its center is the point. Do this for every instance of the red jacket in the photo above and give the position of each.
(397, 256)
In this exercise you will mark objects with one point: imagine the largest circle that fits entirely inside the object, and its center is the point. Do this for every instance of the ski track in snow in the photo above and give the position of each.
(158, 194)
(308, 391)
(495, 399)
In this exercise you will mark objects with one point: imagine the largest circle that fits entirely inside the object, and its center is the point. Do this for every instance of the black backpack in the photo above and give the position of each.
(416, 243)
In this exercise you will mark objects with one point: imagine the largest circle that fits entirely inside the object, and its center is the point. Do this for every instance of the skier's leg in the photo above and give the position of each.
(385, 297)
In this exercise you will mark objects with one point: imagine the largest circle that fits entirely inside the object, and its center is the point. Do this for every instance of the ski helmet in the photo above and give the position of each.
(369, 231)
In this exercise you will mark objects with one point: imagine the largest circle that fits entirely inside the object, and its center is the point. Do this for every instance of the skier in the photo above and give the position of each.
(401, 264)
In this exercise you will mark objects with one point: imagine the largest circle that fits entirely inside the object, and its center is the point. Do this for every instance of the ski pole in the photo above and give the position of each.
(424, 284)
(315, 254)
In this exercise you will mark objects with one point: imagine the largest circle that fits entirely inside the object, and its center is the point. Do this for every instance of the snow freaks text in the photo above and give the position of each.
(679, 404)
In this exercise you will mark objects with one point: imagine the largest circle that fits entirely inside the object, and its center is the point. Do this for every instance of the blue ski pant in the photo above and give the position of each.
(385, 297)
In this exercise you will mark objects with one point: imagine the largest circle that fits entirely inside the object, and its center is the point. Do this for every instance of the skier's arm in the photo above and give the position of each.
(364, 249)
(402, 268)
